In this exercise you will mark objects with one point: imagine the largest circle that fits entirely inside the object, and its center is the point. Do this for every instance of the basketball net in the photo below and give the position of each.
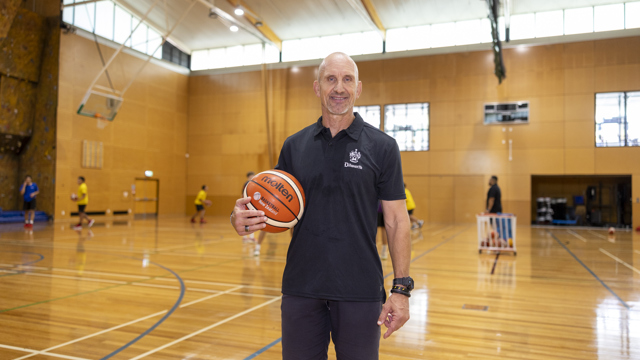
(101, 121)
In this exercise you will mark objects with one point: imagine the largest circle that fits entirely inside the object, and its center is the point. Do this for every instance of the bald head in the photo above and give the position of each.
(336, 57)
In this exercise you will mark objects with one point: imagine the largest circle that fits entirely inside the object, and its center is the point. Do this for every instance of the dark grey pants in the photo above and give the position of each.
(308, 324)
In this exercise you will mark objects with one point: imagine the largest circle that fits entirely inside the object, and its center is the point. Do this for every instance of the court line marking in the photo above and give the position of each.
(589, 270)
(618, 260)
(141, 278)
(435, 247)
(255, 354)
(198, 332)
(125, 324)
(421, 237)
(493, 269)
(36, 352)
(267, 347)
(576, 235)
(26, 252)
(173, 308)
(596, 234)
(109, 287)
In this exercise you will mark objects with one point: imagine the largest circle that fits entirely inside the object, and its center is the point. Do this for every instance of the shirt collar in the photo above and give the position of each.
(353, 130)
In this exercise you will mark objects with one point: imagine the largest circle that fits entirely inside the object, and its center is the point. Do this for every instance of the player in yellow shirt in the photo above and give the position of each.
(82, 199)
(201, 201)
(411, 205)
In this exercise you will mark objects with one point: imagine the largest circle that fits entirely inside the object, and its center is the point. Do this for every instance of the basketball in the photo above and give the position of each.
(207, 203)
(612, 231)
(279, 195)
(74, 197)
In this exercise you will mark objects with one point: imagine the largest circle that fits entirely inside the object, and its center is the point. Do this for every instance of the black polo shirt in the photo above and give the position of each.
(333, 252)
(494, 192)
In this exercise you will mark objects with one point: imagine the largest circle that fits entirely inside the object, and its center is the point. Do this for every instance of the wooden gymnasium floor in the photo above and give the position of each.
(171, 290)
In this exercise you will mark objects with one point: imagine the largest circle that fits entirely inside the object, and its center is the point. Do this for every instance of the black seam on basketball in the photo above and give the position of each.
(275, 197)
(294, 185)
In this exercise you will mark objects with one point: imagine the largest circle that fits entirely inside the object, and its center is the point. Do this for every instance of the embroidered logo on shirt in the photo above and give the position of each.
(354, 156)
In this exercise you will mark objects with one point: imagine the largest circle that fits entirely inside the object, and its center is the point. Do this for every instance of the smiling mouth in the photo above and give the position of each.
(338, 98)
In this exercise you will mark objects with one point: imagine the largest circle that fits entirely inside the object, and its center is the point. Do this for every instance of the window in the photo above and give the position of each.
(549, 23)
(409, 125)
(110, 21)
(523, 26)
(122, 26)
(104, 19)
(578, 21)
(618, 119)
(632, 15)
(370, 114)
(608, 17)
(443, 35)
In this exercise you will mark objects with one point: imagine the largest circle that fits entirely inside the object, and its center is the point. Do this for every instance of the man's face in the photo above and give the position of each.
(79, 181)
(337, 85)
(491, 182)
(206, 188)
(28, 180)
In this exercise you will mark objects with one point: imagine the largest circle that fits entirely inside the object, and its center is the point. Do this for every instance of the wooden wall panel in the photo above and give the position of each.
(149, 132)
(558, 80)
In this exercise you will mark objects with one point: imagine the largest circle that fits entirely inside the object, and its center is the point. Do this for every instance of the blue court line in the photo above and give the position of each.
(146, 332)
(255, 354)
(589, 270)
(386, 276)
(41, 257)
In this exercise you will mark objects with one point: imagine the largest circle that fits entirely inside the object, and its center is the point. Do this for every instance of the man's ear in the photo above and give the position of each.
(359, 90)
(316, 88)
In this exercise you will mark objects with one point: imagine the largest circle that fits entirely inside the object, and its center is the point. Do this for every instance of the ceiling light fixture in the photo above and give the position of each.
(233, 28)
(239, 11)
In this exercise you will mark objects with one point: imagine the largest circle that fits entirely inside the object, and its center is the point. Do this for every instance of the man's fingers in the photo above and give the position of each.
(386, 309)
(249, 214)
(242, 202)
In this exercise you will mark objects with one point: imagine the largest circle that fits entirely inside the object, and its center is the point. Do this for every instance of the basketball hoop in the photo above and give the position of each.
(101, 121)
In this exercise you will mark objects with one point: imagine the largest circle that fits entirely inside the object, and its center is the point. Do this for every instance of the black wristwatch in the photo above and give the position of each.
(402, 286)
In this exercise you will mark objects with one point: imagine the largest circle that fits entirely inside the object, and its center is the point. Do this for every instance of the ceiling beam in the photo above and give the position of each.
(258, 23)
(373, 14)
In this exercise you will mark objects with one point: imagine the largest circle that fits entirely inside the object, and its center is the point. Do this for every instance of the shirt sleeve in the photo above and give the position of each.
(492, 193)
(35, 188)
(391, 182)
(283, 163)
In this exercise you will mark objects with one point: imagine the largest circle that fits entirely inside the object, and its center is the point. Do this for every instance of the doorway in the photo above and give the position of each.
(146, 197)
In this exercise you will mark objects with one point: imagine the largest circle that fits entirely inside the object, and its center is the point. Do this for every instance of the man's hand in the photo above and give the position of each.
(395, 312)
(242, 217)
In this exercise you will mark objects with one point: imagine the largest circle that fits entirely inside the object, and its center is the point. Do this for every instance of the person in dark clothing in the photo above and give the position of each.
(333, 284)
(494, 203)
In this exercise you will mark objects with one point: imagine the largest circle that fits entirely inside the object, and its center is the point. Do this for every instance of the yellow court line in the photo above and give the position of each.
(206, 329)
(619, 260)
(576, 235)
(36, 352)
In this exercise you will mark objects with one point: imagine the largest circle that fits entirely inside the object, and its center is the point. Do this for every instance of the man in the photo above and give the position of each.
(333, 285)
(82, 199)
(201, 199)
(29, 190)
(494, 204)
